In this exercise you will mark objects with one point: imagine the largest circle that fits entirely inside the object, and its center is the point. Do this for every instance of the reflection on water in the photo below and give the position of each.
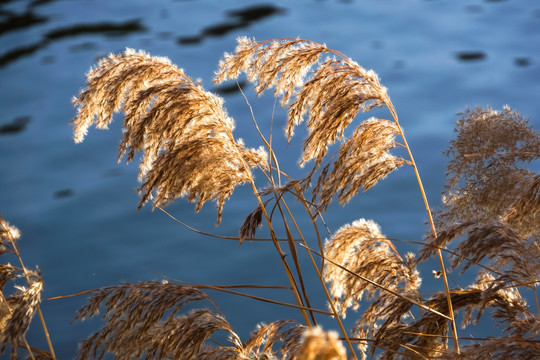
(64, 193)
(103, 28)
(17, 125)
(238, 19)
(471, 55)
(522, 62)
(109, 29)
(12, 21)
(226, 89)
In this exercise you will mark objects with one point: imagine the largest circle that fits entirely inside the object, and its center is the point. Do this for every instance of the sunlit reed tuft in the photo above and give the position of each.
(184, 133)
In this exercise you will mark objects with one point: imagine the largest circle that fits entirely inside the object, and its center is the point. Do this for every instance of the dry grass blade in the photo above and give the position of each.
(143, 318)
(174, 122)
(250, 224)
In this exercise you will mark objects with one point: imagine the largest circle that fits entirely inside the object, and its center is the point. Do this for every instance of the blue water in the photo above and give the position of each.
(76, 207)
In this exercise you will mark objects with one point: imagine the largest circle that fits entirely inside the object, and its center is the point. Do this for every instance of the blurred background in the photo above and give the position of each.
(76, 207)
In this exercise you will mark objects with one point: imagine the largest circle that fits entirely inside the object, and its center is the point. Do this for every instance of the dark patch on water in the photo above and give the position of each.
(112, 172)
(471, 55)
(49, 59)
(228, 89)
(85, 46)
(190, 40)
(255, 13)
(64, 193)
(104, 28)
(473, 9)
(14, 22)
(238, 19)
(522, 61)
(399, 64)
(19, 52)
(16, 126)
(40, 2)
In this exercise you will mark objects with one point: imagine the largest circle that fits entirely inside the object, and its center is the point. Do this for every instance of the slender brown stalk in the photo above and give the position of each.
(444, 276)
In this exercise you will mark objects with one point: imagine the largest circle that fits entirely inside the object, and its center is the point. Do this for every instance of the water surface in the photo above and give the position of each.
(76, 207)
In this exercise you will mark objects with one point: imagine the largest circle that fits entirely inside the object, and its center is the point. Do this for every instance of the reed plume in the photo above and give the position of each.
(182, 130)
(480, 171)
(19, 308)
(143, 319)
(327, 90)
(503, 231)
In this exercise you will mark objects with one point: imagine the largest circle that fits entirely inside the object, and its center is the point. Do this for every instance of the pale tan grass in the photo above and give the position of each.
(326, 89)
(362, 161)
(143, 318)
(317, 344)
(182, 130)
(361, 248)
(276, 340)
(480, 171)
(498, 349)
(18, 312)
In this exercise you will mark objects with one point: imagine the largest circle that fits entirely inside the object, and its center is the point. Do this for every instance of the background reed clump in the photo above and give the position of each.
(488, 223)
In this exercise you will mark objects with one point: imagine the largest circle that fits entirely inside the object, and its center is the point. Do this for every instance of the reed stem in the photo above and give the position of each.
(432, 225)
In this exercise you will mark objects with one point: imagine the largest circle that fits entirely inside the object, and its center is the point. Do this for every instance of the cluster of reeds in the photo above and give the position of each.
(18, 303)
(488, 222)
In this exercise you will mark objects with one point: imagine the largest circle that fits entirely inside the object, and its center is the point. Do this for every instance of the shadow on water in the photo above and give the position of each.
(16, 126)
(237, 19)
(12, 21)
(227, 89)
(108, 29)
(471, 55)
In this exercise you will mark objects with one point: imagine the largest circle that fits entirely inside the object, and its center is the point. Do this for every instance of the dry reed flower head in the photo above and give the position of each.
(510, 308)
(508, 251)
(497, 349)
(328, 98)
(362, 161)
(9, 235)
(17, 316)
(360, 248)
(182, 130)
(485, 164)
(276, 340)
(318, 344)
(387, 315)
(143, 319)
